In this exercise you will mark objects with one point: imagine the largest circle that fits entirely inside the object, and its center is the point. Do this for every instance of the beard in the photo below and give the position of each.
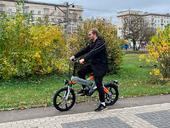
(92, 38)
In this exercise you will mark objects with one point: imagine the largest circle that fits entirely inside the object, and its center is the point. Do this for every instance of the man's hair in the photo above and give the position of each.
(94, 31)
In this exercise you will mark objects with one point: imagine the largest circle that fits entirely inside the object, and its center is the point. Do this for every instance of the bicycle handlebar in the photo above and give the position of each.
(75, 60)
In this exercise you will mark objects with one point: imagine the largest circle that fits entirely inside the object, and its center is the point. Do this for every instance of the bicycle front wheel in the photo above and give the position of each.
(62, 100)
(113, 89)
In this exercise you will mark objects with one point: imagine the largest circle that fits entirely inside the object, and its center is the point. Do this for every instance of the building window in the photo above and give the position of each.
(52, 13)
(59, 14)
(1, 8)
(46, 12)
(17, 10)
(25, 10)
(52, 19)
(32, 11)
(39, 12)
(33, 18)
(9, 10)
(155, 21)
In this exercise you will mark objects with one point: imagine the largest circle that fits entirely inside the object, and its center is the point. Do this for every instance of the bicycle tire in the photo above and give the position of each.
(115, 94)
(59, 102)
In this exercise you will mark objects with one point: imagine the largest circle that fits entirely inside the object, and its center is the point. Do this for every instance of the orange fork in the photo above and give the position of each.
(105, 89)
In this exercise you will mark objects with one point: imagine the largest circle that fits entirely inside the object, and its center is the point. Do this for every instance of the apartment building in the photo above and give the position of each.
(47, 12)
(154, 20)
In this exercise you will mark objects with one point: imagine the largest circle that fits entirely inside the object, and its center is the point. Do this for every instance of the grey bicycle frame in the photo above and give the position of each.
(87, 83)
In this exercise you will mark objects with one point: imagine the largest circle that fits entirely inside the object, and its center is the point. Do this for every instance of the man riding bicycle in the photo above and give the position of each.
(98, 64)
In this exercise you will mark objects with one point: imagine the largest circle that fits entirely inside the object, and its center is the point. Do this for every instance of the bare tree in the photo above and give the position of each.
(136, 28)
(151, 32)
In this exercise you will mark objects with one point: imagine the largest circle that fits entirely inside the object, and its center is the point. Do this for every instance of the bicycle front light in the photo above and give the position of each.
(65, 82)
(116, 81)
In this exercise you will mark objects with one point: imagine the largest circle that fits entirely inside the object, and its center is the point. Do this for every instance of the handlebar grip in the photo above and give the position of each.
(75, 60)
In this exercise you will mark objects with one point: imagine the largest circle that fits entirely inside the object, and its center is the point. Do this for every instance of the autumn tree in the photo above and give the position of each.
(159, 53)
(27, 50)
(136, 28)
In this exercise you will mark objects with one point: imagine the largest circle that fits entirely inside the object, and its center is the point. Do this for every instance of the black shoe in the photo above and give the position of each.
(81, 92)
(101, 108)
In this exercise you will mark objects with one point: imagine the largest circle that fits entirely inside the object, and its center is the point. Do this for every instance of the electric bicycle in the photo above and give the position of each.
(65, 98)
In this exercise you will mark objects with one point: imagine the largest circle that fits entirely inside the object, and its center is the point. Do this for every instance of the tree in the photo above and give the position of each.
(159, 53)
(27, 50)
(136, 28)
(151, 32)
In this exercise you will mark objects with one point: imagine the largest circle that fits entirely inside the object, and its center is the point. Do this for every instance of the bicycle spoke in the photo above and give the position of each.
(64, 101)
(60, 103)
(60, 96)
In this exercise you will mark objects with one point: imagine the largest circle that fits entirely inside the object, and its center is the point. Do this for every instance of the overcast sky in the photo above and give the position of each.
(110, 8)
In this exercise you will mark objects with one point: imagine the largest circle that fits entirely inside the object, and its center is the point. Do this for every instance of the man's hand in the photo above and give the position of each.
(81, 61)
(73, 57)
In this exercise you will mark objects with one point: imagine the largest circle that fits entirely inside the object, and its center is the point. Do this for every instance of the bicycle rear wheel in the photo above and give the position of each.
(113, 89)
(60, 102)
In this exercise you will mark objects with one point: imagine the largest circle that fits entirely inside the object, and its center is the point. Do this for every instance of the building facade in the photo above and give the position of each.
(154, 20)
(47, 12)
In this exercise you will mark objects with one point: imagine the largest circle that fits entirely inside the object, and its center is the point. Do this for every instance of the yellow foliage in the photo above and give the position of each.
(150, 73)
(159, 50)
(30, 50)
(156, 72)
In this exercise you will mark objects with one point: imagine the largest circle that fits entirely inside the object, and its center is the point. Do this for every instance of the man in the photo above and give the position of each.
(98, 64)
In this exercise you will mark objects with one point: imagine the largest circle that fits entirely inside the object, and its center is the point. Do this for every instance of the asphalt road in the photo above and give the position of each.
(33, 113)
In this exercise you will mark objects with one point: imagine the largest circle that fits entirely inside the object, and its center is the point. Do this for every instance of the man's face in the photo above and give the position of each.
(91, 36)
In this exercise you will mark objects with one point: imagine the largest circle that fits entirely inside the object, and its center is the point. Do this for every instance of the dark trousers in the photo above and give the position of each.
(98, 80)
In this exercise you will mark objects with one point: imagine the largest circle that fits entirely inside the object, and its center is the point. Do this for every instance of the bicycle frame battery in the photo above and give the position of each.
(80, 81)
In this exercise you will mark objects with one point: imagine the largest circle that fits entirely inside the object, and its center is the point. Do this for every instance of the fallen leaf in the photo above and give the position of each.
(10, 109)
(15, 103)
(22, 107)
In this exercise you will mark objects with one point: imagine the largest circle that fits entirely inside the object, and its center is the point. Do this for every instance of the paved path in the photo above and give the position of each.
(149, 116)
(145, 116)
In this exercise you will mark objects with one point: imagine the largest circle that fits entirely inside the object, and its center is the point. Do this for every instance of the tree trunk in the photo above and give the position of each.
(134, 45)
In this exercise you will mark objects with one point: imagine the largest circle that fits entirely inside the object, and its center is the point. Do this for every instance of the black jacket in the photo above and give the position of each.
(97, 56)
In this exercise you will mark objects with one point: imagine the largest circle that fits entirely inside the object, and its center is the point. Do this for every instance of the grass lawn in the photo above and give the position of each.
(37, 92)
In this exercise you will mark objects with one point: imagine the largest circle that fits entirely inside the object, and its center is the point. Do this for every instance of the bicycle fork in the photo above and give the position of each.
(109, 93)
(67, 93)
